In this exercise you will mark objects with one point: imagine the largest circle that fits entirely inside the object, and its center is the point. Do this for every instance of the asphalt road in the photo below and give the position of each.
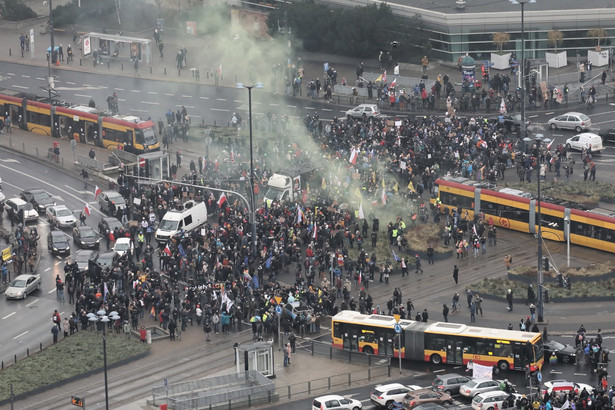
(26, 323)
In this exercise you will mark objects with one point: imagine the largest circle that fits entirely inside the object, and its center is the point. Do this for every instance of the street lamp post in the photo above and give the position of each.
(540, 305)
(523, 129)
(49, 60)
(252, 200)
(101, 316)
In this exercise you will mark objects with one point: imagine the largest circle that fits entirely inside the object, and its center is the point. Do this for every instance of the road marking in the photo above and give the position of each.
(549, 113)
(20, 335)
(580, 374)
(152, 92)
(25, 76)
(274, 104)
(204, 98)
(238, 101)
(310, 108)
(219, 109)
(557, 135)
(198, 116)
(41, 78)
(20, 86)
(186, 96)
(83, 95)
(10, 74)
(291, 106)
(9, 160)
(71, 83)
(135, 91)
(76, 190)
(51, 291)
(220, 99)
(133, 109)
(48, 269)
(532, 116)
(121, 99)
(9, 315)
(439, 371)
(119, 89)
(170, 95)
(33, 302)
(187, 106)
(149, 102)
(554, 372)
(327, 109)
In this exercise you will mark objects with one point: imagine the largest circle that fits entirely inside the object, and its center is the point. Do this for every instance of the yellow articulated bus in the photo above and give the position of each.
(437, 342)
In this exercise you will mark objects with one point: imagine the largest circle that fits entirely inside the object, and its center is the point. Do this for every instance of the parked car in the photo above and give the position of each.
(61, 216)
(86, 237)
(369, 110)
(335, 401)
(57, 243)
(387, 394)
(39, 198)
(111, 201)
(491, 400)
(449, 383)
(607, 135)
(476, 386)
(572, 121)
(15, 205)
(561, 385)
(416, 398)
(22, 286)
(564, 352)
(587, 140)
(83, 257)
(108, 224)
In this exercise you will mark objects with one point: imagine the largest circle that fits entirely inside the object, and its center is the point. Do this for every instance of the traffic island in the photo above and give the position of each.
(73, 358)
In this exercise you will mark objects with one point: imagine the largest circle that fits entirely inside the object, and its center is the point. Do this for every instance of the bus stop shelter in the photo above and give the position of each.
(114, 46)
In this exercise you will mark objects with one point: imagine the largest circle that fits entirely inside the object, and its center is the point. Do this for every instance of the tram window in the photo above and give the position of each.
(448, 198)
(116, 136)
(552, 222)
(40, 119)
(139, 137)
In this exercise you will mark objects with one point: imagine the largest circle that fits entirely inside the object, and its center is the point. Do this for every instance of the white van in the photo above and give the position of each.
(190, 216)
(587, 140)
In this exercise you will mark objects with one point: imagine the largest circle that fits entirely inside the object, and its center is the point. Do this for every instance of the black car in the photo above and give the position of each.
(108, 224)
(564, 353)
(510, 122)
(57, 243)
(39, 198)
(107, 260)
(607, 135)
(86, 237)
(83, 257)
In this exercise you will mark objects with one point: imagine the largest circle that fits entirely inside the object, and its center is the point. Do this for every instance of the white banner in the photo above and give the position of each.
(481, 371)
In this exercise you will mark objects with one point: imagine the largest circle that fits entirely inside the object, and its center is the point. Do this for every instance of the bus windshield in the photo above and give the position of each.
(539, 350)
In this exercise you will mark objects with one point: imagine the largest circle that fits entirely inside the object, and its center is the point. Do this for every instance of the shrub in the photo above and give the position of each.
(15, 10)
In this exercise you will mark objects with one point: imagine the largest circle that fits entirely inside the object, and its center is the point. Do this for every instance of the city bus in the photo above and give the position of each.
(85, 124)
(514, 209)
(437, 342)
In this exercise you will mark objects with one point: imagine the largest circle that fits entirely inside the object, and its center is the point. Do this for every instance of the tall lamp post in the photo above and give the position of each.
(540, 305)
(252, 200)
(49, 60)
(101, 316)
(523, 130)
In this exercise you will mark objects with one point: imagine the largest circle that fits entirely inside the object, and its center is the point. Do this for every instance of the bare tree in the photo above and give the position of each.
(499, 39)
(555, 38)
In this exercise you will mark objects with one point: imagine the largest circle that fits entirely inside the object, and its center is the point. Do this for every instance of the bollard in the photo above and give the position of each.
(329, 382)
(369, 360)
(289, 392)
(330, 353)
(122, 66)
(28, 351)
(23, 147)
(10, 53)
(41, 346)
(165, 71)
(350, 356)
(150, 69)
(36, 152)
(193, 71)
(15, 358)
(349, 378)
(214, 123)
(369, 374)
(309, 387)
(607, 97)
(79, 61)
(203, 121)
(312, 348)
(3, 365)
(62, 162)
(108, 64)
(389, 368)
(249, 400)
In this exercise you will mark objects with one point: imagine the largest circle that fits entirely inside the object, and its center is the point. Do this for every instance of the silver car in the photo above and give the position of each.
(23, 285)
(370, 110)
(476, 386)
(571, 121)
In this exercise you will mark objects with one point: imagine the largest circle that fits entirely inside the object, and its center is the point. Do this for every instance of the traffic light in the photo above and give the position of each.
(545, 264)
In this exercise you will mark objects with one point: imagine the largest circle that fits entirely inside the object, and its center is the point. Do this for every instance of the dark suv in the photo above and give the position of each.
(449, 383)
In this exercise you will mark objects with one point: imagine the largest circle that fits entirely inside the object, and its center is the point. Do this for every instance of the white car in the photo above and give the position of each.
(491, 400)
(587, 140)
(22, 285)
(571, 120)
(566, 386)
(61, 216)
(476, 386)
(335, 401)
(370, 110)
(385, 395)
(122, 245)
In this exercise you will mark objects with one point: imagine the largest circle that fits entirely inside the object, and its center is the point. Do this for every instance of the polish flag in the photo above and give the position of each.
(87, 209)
(393, 83)
(315, 234)
(221, 200)
(167, 250)
(354, 154)
(97, 192)
(361, 213)
(384, 197)
(550, 144)
(384, 76)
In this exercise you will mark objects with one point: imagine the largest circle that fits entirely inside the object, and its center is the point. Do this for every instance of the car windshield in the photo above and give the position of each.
(557, 345)
(64, 212)
(118, 199)
(167, 225)
(26, 207)
(18, 283)
(275, 194)
(40, 196)
(114, 223)
(88, 234)
(122, 246)
(105, 260)
(472, 383)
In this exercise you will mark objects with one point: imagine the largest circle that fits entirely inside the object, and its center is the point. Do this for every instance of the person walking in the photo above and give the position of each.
(456, 274)
(472, 312)
(509, 300)
(418, 264)
(507, 262)
(286, 351)
(445, 312)
(65, 327)
(54, 331)
(85, 176)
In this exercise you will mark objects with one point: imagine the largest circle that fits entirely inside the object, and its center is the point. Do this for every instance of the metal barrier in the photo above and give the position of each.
(91, 163)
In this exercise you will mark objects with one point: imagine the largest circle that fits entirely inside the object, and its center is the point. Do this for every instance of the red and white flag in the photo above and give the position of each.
(384, 197)
(97, 192)
(550, 144)
(167, 250)
(221, 200)
(315, 234)
(361, 213)
(87, 209)
(354, 154)
(384, 76)
(393, 83)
